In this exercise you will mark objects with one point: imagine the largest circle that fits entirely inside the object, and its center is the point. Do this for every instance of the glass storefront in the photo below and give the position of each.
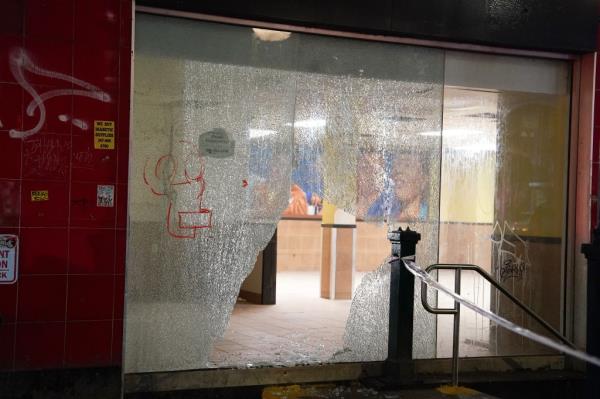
(235, 127)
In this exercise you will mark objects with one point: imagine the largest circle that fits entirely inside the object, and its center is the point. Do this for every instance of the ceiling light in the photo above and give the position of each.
(254, 133)
(477, 147)
(268, 35)
(453, 133)
(308, 123)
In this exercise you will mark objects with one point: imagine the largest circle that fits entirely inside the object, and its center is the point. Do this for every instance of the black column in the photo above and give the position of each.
(402, 296)
(269, 272)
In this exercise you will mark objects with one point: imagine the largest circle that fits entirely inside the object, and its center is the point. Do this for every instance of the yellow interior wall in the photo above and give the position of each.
(467, 189)
(523, 182)
(531, 174)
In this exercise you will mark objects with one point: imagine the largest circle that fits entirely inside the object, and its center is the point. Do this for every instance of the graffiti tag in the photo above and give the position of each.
(511, 252)
(168, 176)
(21, 62)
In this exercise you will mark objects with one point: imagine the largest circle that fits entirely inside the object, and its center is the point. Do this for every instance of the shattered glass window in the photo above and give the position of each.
(210, 174)
(235, 127)
(219, 124)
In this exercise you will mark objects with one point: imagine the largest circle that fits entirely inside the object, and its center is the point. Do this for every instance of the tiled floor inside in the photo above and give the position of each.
(304, 328)
(301, 328)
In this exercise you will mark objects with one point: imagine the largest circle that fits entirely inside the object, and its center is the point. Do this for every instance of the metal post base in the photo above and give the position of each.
(401, 370)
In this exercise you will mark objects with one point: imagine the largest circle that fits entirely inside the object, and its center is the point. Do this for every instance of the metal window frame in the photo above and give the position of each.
(579, 217)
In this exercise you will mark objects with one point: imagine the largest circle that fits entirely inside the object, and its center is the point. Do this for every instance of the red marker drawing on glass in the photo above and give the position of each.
(167, 179)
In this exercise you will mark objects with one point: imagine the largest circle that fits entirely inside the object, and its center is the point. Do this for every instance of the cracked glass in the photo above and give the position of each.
(236, 127)
(221, 124)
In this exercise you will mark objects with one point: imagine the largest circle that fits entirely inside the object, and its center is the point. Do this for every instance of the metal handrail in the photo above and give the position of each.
(458, 268)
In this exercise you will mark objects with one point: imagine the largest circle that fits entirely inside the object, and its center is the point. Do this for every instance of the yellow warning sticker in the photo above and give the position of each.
(104, 135)
(39, 195)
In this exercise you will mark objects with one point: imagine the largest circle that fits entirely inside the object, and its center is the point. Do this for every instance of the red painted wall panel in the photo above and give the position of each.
(63, 65)
(596, 142)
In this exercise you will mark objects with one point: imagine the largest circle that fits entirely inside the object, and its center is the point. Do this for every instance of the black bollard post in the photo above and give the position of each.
(402, 296)
(592, 254)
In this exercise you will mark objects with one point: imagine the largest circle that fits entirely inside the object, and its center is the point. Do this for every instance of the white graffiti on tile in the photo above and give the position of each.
(21, 62)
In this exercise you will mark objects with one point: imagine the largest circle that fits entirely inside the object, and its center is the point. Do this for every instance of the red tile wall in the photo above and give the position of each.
(66, 308)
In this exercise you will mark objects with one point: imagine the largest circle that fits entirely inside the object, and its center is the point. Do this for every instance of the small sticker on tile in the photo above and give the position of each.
(105, 197)
(104, 135)
(39, 195)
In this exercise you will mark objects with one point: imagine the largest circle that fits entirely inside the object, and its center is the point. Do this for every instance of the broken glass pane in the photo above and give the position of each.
(218, 129)
(377, 133)
(210, 176)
